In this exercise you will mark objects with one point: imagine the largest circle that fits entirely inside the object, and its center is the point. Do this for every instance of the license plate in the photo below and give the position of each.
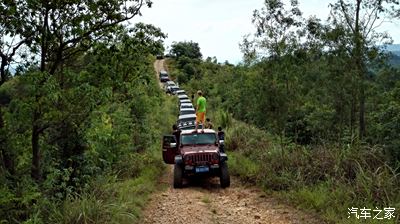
(202, 169)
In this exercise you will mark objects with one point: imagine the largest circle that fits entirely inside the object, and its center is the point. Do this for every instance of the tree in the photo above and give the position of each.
(98, 121)
(11, 26)
(277, 28)
(360, 20)
(188, 49)
(274, 45)
(150, 38)
(61, 30)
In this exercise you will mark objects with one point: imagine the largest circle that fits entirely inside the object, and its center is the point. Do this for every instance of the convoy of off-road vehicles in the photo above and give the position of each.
(194, 154)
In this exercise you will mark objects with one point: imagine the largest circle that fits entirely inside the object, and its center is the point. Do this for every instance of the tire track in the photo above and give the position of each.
(204, 201)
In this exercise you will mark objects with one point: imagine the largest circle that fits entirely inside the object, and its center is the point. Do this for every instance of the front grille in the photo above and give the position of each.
(199, 158)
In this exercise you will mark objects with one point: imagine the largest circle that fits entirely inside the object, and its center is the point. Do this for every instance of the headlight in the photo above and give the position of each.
(215, 157)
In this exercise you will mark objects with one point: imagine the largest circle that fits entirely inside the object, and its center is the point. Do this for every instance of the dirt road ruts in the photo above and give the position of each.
(205, 202)
(158, 66)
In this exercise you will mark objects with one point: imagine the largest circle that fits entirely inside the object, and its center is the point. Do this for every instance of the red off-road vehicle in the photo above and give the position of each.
(198, 154)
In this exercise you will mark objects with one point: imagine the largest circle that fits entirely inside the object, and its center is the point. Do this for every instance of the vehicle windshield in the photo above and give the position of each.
(198, 139)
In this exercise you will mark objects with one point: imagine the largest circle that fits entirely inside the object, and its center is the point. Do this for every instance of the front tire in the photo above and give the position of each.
(224, 178)
(178, 176)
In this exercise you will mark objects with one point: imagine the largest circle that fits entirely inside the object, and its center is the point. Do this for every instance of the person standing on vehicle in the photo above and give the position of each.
(200, 110)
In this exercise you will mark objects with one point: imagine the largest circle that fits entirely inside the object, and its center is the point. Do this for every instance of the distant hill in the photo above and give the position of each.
(393, 47)
(394, 59)
(396, 53)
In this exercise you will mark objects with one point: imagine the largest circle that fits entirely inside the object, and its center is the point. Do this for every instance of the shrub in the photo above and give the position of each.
(326, 179)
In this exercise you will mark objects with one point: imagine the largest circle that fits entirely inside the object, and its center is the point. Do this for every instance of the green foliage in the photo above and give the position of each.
(243, 167)
(326, 180)
(187, 60)
(237, 139)
(277, 28)
(299, 140)
(90, 111)
(182, 78)
(111, 200)
(18, 199)
(97, 118)
(71, 27)
(387, 119)
(223, 119)
(149, 38)
(189, 49)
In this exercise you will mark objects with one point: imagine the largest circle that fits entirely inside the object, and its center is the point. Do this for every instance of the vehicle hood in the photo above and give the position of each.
(187, 149)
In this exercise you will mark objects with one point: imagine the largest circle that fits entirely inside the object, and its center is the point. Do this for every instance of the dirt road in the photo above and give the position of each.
(205, 202)
(158, 66)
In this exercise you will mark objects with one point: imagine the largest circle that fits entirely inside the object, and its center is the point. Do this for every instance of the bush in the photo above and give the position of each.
(325, 179)
(182, 78)
(223, 118)
(244, 137)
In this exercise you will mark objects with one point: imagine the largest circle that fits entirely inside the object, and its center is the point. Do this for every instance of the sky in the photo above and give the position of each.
(219, 25)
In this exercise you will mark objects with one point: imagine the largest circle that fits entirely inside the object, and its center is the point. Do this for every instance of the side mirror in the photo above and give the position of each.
(172, 145)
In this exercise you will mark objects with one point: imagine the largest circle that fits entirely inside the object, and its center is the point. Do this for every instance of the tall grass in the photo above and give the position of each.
(111, 200)
(328, 180)
(223, 119)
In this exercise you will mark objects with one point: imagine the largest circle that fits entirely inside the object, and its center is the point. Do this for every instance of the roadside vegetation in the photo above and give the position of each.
(80, 120)
(311, 115)
(324, 178)
(313, 122)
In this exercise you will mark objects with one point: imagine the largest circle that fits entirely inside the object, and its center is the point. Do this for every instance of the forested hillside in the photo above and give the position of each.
(315, 122)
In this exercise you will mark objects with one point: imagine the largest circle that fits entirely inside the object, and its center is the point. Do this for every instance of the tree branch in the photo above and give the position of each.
(346, 16)
(375, 12)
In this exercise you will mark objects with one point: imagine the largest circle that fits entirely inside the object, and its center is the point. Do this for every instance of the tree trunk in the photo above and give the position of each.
(362, 109)
(44, 42)
(3, 75)
(359, 61)
(352, 115)
(35, 169)
(7, 158)
(8, 161)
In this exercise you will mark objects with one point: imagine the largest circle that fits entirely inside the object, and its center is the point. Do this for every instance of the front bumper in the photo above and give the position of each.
(191, 170)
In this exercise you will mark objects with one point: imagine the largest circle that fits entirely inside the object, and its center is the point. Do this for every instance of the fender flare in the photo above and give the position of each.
(223, 157)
